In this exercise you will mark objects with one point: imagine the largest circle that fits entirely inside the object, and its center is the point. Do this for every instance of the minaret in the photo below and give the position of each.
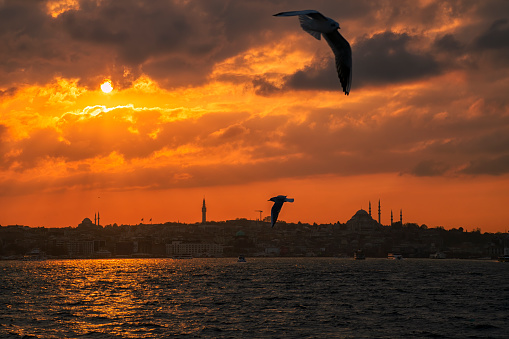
(98, 219)
(391, 217)
(379, 212)
(95, 219)
(204, 213)
(401, 216)
(370, 208)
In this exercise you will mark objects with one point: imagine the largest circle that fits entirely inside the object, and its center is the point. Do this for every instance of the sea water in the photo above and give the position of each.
(262, 298)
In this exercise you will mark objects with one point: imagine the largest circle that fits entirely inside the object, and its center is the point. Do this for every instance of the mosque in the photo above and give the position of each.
(87, 223)
(362, 221)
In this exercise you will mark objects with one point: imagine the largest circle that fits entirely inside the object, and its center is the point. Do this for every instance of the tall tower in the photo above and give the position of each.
(379, 212)
(401, 216)
(95, 219)
(391, 218)
(204, 213)
(370, 208)
(98, 219)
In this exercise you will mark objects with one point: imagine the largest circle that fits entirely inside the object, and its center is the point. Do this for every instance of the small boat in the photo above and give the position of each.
(504, 257)
(394, 256)
(183, 256)
(34, 255)
(438, 255)
(359, 255)
(241, 259)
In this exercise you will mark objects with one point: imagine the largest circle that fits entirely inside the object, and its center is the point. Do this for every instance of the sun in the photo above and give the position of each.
(107, 86)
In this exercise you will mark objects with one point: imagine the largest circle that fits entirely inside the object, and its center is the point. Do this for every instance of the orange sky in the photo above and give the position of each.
(223, 100)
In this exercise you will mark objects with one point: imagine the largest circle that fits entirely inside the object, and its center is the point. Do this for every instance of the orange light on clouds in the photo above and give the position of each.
(57, 7)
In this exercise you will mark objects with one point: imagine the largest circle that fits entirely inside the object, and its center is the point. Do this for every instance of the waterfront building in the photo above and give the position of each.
(80, 248)
(194, 249)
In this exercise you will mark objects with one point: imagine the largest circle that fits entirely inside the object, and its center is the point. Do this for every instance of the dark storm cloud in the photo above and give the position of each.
(139, 30)
(492, 142)
(427, 168)
(492, 43)
(491, 166)
(178, 43)
(174, 44)
(264, 87)
(495, 37)
(24, 29)
(387, 58)
(318, 76)
(448, 43)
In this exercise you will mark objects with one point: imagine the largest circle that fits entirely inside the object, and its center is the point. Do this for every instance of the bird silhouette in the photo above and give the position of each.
(316, 24)
(276, 208)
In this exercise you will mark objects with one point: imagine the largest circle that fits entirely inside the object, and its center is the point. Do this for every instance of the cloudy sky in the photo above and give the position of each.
(219, 99)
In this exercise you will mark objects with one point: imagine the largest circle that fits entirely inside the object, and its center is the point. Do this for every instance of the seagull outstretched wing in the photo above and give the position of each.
(276, 208)
(316, 24)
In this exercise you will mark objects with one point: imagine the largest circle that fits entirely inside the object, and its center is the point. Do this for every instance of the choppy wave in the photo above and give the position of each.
(263, 298)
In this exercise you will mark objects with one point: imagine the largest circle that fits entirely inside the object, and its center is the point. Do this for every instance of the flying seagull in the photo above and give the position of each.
(276, 208)
(316, 24)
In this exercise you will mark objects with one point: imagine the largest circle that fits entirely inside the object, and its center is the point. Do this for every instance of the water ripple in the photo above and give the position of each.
(264, 298)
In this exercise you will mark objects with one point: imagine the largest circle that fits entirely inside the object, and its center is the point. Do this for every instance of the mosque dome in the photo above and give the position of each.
(86, 222)
(361, 221)
(361, 213)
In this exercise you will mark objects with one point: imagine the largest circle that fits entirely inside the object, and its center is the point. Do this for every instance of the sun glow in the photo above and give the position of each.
(107, 86)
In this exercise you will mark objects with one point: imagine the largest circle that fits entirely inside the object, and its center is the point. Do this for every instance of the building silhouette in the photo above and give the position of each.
(249, 237)
(86, 223)
(204, 213)
(361, 222)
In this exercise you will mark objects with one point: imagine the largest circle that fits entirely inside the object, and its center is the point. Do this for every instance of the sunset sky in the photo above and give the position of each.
(222, 100)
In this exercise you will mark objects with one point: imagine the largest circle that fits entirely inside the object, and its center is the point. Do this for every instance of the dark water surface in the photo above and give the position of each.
(263, 298)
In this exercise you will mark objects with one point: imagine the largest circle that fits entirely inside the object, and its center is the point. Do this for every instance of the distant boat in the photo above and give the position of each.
(438, 255)
(394, 256)
(504, 257)
(102, 253)
(35, 255)
(241, 259)
(183, 256)
(359, 255)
